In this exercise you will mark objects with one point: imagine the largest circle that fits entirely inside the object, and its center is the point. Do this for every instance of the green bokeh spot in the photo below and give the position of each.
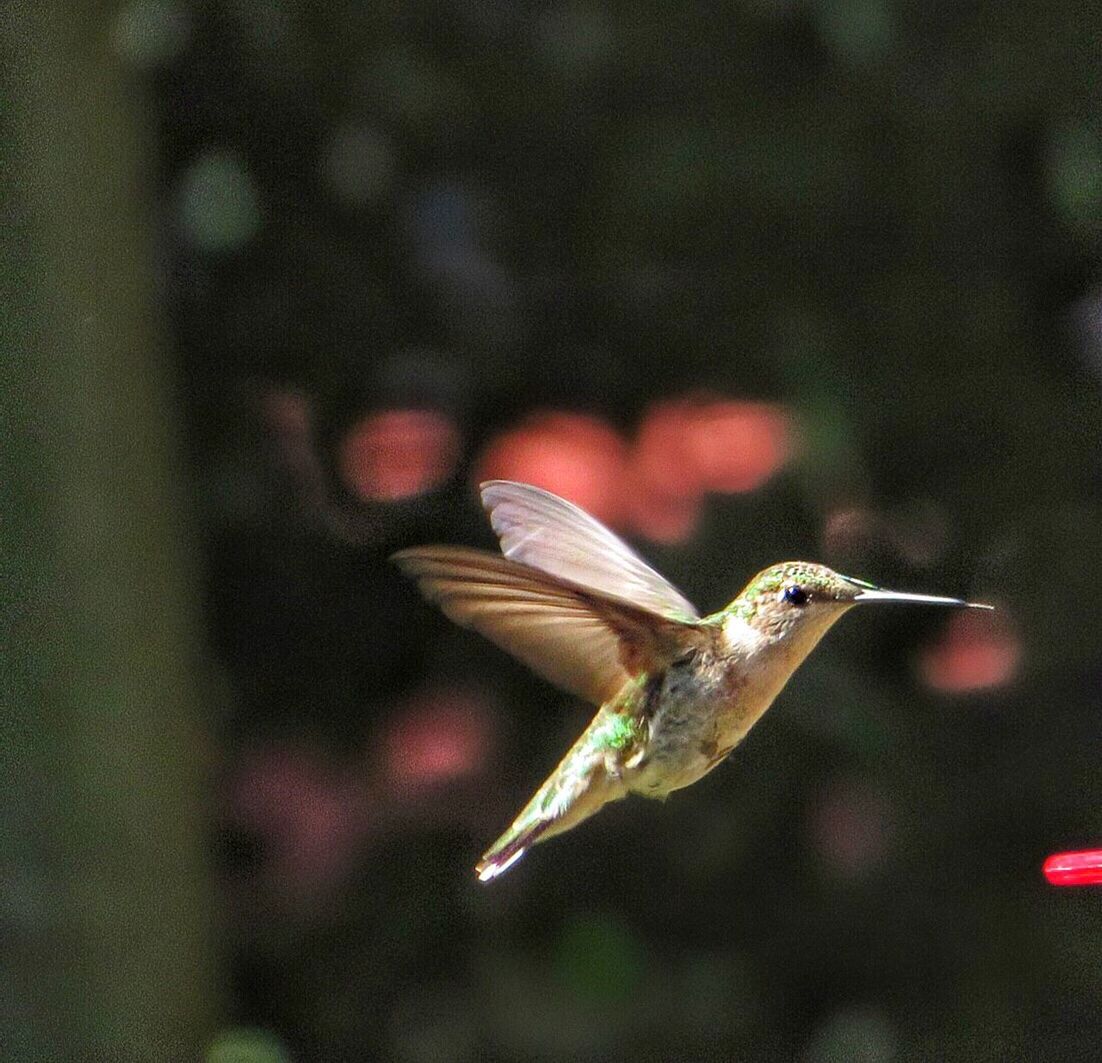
(1075, 175)
(244, 1045)
(149, 33)
(218, 205)
(859, 31)
(599, 959)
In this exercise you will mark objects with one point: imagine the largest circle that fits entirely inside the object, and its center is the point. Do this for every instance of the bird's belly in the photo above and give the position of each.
(688, 737)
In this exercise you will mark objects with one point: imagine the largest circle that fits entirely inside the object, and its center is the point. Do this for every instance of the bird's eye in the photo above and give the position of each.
(796, 595)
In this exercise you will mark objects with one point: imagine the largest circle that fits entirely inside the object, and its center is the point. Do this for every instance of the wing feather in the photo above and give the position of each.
(581, 640)
(546, 532)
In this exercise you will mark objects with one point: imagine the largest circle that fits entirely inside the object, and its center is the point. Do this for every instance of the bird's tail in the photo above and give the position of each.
(577, 788)
(509, 848)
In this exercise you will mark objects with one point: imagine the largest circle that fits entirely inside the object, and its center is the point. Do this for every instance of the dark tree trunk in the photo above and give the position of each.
(103, 759)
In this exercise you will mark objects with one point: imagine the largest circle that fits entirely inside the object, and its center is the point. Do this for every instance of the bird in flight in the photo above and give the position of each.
(676, 692)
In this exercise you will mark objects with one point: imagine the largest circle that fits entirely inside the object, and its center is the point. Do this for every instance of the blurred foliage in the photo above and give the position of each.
(400, 246)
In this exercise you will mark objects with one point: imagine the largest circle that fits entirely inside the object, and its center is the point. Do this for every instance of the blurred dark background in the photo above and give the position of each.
(749, 281)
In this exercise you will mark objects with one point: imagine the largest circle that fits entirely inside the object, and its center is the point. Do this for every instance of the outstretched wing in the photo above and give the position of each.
(547, 532)
(579, 639)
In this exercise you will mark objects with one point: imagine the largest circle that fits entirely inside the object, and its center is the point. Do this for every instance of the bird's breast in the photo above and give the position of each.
(696, 713)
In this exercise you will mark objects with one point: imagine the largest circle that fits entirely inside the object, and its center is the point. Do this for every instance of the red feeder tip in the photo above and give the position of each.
(1074, 869)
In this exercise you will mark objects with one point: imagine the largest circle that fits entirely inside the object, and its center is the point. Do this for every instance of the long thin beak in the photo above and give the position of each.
(871, 594)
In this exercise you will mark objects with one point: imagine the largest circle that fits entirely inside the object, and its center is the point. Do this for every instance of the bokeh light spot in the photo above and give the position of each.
(686, 446)
(977, 651)
(151, 33)
(1074, 171)
(310, 814)
(575, 38)
(247, 1045)
(599, 958)
(217, 204)
(409, 86)
(850, 828)
(286, 412)
(661, 517)
(1084, 321)
(858, 31)
(358, 164)
(392, 455)
(860, 1034)
(849, 530)
(737, 446)
(441, 736)
(575, 455)
(661, 456)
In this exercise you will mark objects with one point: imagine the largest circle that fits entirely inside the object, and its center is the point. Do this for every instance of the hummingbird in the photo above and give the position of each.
(675, 692)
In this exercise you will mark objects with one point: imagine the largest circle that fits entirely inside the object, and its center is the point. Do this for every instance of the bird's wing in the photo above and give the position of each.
(583, 641)
(547, 532)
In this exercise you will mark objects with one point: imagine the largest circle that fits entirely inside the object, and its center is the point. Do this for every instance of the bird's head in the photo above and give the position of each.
(796, 602)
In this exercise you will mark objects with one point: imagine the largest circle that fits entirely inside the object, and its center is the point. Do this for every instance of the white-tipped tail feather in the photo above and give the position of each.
(488, 870)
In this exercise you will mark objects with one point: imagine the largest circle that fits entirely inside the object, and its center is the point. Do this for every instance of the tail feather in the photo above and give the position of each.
(490, 868)
(507, 850)
(516, 841)
(576, 789)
